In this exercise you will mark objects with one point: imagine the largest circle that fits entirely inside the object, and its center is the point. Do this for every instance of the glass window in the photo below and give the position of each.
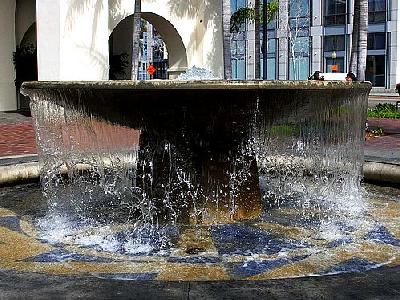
(238, 69)
(335, 12)
(271, 46)
(299, 8)
(334, 43)
(271, 60)
(299, 52)
(236, 4)
(299, 68)
(338, 62)
(238, 56)
(376, 11)
(376, 41)
(299, 13)
(375, 71)
(271, 68)
(299, 46)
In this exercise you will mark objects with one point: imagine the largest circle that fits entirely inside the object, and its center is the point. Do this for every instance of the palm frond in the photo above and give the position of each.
(245, 14)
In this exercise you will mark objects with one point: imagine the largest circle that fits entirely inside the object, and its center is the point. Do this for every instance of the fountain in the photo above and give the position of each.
(215, 180)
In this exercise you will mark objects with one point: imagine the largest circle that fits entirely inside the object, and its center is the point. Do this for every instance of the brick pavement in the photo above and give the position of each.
(17, 136)
(384, 148)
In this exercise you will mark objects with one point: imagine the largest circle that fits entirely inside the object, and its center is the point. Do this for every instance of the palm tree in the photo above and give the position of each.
(358, 59)
(252, 14)
(226, 19)
(136, 39)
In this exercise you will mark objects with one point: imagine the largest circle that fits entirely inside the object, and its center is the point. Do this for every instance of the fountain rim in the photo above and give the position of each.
(196, 85)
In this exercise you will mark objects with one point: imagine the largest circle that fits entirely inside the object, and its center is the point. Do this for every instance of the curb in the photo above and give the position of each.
(382, 172)
(19, 173)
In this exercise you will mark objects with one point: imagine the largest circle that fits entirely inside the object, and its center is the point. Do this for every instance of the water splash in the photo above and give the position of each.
(196, 163)
(196, 73)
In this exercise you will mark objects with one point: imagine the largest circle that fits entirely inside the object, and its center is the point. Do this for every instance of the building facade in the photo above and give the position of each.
(315, 35)
(72, 38)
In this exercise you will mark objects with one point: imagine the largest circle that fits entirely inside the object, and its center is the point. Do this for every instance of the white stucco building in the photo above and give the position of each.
(73, 36)
(74, 39)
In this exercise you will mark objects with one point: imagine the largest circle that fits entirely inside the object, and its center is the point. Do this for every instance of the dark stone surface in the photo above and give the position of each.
(375, 284)
(61, 255)
(351, 265)
(11, 223)
(244, 240)
(253, 267)
(381, 235)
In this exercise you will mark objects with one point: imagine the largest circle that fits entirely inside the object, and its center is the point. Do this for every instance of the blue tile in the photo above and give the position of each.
(195, 259)
(247, 240)
(11, 223)
(60, 255)
(381, 235)
(340, 242)
(351, 265)
(128, 276)
(254, 267)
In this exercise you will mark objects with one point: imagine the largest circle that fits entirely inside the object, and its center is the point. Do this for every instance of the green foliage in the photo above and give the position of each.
(377, 131)
(385, 110)
(118, 65)
(284, 130)
(245, 14)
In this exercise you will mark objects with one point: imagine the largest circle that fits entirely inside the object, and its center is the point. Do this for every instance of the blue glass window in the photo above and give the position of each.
(335, 12)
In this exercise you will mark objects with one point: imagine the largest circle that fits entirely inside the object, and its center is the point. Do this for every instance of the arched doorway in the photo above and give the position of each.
(25, 63)
(161, 46)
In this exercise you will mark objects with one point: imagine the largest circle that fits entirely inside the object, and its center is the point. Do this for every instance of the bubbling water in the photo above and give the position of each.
(126, 186)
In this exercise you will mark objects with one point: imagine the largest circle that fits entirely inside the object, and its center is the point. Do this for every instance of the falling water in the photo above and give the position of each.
(124, 186)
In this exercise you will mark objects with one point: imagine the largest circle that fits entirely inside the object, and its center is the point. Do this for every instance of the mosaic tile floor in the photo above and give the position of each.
(278, 246)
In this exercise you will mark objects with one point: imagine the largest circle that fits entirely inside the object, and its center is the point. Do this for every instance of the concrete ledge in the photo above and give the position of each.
(13, 174)
(382, 172)
(18, 173)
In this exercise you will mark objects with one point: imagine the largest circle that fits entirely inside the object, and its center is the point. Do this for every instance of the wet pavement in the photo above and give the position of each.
(31, 266)
(286, 242)
(379, 284)
(280, 257)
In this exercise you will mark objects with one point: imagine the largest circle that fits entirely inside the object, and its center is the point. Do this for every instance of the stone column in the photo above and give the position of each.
(72, 40)
(7, 47)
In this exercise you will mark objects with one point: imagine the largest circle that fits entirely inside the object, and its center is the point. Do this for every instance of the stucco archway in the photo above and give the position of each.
(25, 60)
(176, 49)
(177, 54)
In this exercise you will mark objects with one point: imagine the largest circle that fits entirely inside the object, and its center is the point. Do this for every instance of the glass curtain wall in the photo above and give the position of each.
(376, 59)
(335, 12)
(238, 45)
(299, 39)
(335, 53)
(376, 11)
(272, 47)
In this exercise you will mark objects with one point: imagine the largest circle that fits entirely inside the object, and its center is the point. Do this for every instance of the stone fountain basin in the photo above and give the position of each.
(212, 125)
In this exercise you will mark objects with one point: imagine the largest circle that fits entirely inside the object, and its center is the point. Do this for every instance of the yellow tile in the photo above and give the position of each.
(17, 246)
(195, 239)
(6, 212)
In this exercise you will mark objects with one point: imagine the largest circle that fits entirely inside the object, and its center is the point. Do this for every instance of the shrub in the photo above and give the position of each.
(385, 110)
